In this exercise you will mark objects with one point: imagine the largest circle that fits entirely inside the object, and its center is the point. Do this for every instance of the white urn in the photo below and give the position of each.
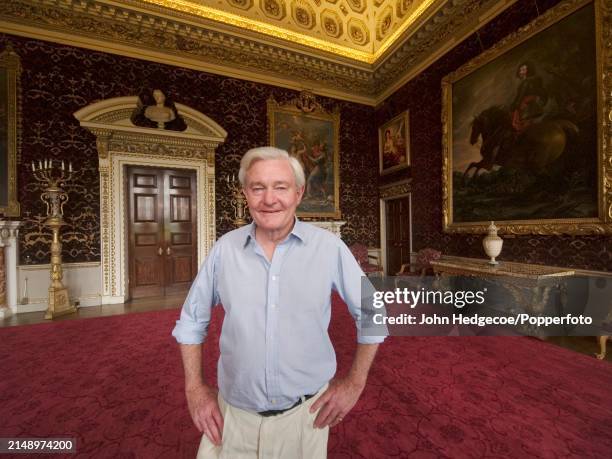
(492, 243)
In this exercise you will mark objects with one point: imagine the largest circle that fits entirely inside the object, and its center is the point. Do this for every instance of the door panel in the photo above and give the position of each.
(398, 233)
(162, 231)
(180, 226)
(145, 232)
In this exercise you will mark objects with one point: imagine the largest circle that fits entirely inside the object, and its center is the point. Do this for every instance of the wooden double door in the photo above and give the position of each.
(162, 230)
(398, 237)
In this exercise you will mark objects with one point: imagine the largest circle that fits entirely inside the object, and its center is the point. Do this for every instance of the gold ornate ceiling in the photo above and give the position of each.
(358, 29)
(358, 50)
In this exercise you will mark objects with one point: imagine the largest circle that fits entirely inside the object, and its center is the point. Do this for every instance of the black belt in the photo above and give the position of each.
(268, 413)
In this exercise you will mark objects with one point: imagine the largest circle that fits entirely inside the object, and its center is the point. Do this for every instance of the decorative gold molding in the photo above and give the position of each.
(223, 17)
(11, 64)
(395, 189)
(148, 30)
(577, 226)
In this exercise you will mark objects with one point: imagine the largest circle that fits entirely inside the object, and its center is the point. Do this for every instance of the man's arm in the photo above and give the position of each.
(342, 394)
(190, 332)
(201, 398)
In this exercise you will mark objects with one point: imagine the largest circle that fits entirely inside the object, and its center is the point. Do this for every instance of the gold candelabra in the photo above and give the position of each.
(52, 174)
(238, 201)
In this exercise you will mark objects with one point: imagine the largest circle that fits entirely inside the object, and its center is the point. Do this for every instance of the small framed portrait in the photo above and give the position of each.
(394, 144)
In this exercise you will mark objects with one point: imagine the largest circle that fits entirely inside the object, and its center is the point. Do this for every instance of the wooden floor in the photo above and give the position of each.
(582, 344)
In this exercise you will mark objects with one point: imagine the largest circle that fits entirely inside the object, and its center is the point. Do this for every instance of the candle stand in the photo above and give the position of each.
(52, 178)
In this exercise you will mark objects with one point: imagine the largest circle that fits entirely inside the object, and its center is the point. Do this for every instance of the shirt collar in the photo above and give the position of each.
(297, 231)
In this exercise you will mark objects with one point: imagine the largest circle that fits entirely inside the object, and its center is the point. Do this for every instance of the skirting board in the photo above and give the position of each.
(82, 280)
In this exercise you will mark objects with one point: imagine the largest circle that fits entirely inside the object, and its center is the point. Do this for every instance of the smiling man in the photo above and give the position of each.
(277, 392)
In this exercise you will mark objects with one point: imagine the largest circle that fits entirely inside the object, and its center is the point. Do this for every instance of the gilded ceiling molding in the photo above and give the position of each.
(142, 36)
(144, 29)
(447, 28)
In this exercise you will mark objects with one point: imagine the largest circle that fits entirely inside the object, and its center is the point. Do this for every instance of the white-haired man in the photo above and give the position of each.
(274, 277)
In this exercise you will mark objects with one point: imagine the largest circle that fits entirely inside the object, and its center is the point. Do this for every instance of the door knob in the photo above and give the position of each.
(159, 251)
(168, 251)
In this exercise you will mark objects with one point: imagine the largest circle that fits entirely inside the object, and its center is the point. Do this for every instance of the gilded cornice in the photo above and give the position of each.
(143, 30)
(396, 189)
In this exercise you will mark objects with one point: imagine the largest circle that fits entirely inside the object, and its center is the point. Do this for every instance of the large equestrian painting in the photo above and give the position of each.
(521, 125)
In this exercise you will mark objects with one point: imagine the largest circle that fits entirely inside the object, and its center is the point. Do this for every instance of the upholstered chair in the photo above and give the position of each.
(360, 252)
(422, 265)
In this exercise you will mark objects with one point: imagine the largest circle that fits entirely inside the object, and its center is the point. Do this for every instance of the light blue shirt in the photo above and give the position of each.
(274, 341)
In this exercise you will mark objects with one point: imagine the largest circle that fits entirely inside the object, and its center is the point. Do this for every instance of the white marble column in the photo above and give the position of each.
(9, 231)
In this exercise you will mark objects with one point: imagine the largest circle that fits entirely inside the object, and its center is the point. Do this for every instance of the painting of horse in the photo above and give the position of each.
(532, 150)
(522, 127)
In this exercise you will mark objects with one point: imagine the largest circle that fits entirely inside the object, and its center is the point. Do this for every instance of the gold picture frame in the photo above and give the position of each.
(10, 71)
(394, 144)
(310, 133)
(477, 87)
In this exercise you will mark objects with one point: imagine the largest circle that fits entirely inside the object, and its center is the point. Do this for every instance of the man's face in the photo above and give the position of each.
(522, 72)
(272, 194)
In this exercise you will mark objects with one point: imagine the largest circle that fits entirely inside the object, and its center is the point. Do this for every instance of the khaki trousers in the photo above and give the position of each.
(247, 435)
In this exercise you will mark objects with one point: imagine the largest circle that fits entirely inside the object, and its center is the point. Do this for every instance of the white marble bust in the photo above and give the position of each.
(159, 113)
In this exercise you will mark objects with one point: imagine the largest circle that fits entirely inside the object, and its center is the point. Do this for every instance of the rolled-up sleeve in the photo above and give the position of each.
(192, 326)
(348, 285)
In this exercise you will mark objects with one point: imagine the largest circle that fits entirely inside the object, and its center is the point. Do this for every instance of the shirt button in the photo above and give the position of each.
(274, 278)
(273, 305)
(273, 401)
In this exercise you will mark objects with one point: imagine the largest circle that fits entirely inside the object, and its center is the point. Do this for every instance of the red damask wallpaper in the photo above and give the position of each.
(58, 80)
(423, 97)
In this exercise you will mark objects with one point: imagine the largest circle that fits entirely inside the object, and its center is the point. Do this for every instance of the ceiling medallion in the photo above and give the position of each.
(274, 9)
(357, 5)
(332, 25)
(402, 6)
(303, 14)
(358, 32)
(242, 4)
(384, 24)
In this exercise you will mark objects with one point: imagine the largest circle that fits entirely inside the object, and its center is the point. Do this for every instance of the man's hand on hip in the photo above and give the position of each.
(335, 403)
(205, 412)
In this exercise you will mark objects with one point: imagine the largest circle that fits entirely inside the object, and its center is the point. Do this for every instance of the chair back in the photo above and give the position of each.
(360, 252)
(424, 258)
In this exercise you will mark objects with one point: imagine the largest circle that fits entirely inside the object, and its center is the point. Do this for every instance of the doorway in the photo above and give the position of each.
(162, 230)
(398, 234)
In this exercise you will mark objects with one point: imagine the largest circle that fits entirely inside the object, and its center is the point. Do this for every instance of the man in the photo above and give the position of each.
(277, 398)
(530, 99)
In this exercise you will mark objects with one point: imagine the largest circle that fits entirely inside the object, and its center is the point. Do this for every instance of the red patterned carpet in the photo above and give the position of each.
(116, 384)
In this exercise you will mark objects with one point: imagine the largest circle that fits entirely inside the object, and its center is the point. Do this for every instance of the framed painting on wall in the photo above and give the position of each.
(394, 144)
(524, 131)
(9, 131)
(310, 134)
